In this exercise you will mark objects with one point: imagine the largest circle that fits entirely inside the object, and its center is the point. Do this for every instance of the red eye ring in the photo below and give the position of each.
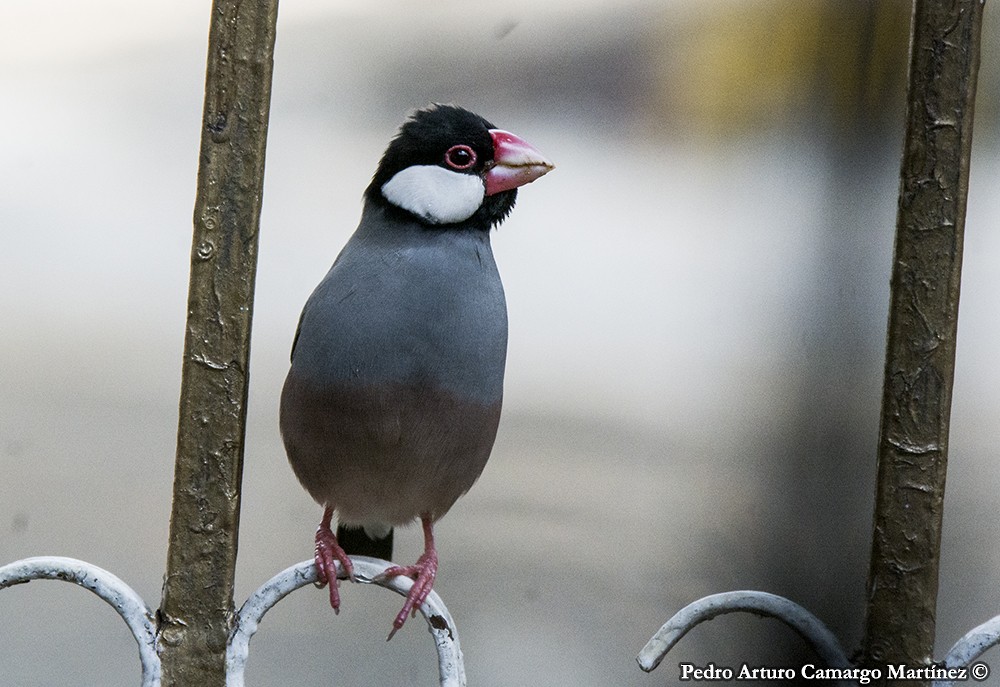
(460, 157)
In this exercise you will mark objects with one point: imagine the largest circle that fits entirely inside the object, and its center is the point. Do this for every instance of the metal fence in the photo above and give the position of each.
(197, 636)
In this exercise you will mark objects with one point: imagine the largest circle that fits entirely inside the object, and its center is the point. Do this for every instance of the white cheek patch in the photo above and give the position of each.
(435, 194)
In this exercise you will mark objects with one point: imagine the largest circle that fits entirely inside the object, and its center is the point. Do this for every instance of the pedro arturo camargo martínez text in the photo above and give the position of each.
(809, 671)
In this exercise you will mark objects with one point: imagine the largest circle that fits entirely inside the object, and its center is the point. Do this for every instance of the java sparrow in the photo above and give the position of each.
(391, 405)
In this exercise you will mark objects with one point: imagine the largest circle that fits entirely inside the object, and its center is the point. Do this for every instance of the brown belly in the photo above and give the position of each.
(385, 454)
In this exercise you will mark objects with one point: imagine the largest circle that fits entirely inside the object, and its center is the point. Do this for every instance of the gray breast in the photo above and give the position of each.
(412, 306)
(391, 406)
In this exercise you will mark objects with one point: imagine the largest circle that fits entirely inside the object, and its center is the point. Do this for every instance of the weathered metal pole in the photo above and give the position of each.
(197, 606)
(923, 317)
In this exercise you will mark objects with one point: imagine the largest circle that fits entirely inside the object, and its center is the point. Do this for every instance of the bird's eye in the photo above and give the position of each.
(460, 157)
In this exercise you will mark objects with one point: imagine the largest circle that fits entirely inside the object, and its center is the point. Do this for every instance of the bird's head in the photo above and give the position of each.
(449, 166)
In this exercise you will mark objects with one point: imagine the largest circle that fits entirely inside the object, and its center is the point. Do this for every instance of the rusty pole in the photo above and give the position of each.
(923, 318)
(197, 606)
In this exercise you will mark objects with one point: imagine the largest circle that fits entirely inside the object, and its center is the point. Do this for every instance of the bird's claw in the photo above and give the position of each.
(423, 574)
(328, 552)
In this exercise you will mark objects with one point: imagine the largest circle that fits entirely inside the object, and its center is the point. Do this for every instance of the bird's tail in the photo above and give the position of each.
(357, 542)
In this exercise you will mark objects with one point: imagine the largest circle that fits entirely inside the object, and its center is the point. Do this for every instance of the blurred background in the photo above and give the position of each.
(697, 303)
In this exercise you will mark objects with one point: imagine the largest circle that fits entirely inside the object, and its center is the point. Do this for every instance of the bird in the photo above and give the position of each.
(392, 400)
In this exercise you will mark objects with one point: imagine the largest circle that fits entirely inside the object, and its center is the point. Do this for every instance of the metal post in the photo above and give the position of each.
(923, 317)
(197, 609)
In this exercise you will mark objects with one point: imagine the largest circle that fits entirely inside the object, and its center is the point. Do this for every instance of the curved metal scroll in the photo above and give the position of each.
(130, 606)
(141, 620)
(972, 645)
(451, 668)
(795, 616)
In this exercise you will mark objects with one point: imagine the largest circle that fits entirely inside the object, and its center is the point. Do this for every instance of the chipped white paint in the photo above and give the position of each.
(795, 616)
(142, 621)
(971, 646)
(451, 668)
(129, 605)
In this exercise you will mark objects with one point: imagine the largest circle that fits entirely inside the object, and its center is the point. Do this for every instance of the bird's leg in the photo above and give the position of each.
(327, 552)
(423, 573)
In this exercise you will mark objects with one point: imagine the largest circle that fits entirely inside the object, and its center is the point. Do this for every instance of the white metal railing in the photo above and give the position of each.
(963, 655)
(141, 620)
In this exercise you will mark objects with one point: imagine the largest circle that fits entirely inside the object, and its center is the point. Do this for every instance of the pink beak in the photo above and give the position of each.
(515, 163)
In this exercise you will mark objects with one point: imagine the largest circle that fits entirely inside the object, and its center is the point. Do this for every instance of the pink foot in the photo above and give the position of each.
(423, 573)
(328, 551)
